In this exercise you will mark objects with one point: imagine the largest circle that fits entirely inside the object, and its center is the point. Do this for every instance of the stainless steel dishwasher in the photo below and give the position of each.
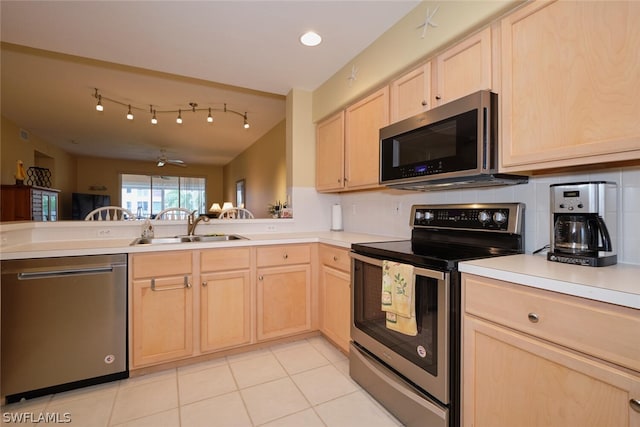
(64, 324)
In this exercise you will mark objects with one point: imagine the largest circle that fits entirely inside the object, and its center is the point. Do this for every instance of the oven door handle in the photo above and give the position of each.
(434, 274)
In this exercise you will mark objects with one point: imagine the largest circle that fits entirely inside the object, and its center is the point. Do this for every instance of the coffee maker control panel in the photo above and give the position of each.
(575, 198)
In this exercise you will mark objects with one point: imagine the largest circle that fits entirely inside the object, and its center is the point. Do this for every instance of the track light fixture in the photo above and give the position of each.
(154, 120)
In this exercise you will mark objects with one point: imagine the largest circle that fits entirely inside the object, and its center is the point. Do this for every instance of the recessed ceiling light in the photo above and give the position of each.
(310, 38)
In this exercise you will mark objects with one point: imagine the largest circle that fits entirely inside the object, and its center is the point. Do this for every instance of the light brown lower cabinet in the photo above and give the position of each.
(335, 295)
(520, 367)
(189, 303)
(162, 307)
(283, 290)
(225, 298)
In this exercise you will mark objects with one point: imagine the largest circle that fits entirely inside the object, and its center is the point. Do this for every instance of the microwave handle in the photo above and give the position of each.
(438, 275)
(485, 138)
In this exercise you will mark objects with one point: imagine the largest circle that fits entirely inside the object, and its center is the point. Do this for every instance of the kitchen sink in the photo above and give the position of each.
(186, 239)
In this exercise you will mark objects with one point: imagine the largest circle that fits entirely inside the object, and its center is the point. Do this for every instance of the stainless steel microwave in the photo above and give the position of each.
(450, 146)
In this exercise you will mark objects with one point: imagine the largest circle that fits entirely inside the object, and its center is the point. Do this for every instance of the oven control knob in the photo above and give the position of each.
(499, 218)
(484, 217)
(429, 216)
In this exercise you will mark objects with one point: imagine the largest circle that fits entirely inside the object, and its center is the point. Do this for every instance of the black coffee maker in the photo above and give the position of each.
(579, 234)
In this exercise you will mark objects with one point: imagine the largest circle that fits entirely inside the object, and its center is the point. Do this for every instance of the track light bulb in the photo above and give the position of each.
(179, 119)
(129, 114)
(99, 106)
(154, 121)
(209, 117)
(246, 123)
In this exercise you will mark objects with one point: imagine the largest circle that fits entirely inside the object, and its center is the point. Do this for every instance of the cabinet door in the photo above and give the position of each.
(162, 319)
(465, 68)
(570, 84)
(225, 310)
(336, 306)
(363, 121)
(511, 379)
(411, 93)
(284, 300)
(16, 203)
(330, 153)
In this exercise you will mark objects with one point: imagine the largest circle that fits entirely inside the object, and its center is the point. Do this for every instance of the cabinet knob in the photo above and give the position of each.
(533, 318)
(204, 284)
(285, 256)
(635, 404)
(424, 103)
(335, 258)
(339, 180)
(260, 278)
(438, 97)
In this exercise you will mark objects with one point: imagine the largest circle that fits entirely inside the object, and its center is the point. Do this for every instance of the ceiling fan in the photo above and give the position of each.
(163, 160)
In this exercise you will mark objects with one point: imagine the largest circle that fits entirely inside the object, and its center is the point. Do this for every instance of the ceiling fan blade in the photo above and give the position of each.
(176, 162)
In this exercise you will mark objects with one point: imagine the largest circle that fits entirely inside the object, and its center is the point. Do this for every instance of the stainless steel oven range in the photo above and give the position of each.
(416, 375)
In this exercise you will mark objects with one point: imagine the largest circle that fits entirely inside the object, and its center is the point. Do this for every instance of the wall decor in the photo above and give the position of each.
(428, 21)
(241, 194)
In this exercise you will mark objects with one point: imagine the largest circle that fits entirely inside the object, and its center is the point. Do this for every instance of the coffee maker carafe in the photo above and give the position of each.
(579, 234)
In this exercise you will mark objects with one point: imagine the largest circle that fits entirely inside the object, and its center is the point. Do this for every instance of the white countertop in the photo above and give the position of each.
(617, 284)
(122, 245)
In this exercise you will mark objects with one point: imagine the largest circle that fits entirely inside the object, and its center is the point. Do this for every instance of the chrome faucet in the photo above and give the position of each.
(192, 221)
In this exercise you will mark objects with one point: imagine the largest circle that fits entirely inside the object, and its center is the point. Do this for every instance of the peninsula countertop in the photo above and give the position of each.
(75, 247)
(617, 284)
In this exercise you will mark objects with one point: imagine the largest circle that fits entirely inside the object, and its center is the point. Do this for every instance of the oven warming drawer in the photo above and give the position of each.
(406, 403)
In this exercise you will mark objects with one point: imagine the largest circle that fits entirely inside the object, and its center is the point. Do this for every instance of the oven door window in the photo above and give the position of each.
(369, 318)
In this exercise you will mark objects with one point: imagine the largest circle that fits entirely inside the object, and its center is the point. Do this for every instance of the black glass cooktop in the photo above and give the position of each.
(436, 255)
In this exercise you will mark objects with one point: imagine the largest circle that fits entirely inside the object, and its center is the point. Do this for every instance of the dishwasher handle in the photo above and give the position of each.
(32, 275)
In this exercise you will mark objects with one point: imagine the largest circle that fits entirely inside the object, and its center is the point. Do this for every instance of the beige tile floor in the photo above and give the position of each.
(300, 384)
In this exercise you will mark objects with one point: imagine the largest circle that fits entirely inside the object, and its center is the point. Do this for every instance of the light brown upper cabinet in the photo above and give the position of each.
(330, 153)
(464, 68)
(411, 93)
(570, 84)
(363, 121)
(348, 145)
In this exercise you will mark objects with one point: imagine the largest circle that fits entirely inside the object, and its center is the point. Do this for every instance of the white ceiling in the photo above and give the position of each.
(169, 53)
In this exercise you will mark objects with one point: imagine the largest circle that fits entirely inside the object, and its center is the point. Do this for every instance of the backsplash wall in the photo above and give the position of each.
(386, 212)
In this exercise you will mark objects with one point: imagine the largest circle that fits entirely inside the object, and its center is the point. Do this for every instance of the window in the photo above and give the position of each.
(146, 195)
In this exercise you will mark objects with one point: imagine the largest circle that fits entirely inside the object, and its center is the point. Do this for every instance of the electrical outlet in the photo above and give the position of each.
(105, 232)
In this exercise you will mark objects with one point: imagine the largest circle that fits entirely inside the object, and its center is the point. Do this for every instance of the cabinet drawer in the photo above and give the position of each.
(335, 257)
(225, 259)
(607, 331)
(283, 255)
(161, 264)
